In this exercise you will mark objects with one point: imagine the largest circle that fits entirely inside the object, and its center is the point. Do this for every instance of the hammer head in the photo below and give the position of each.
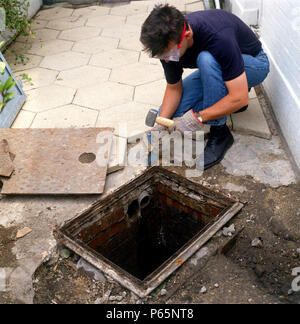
(151, 117)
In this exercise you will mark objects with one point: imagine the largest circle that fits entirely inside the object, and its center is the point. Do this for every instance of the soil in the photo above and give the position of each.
(236, 273)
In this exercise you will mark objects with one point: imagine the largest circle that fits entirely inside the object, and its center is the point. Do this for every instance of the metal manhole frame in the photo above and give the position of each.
(145, 287)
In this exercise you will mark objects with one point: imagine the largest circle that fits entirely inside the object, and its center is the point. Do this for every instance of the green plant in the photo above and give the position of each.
(16, 15)
(27, 78)
(5, 87)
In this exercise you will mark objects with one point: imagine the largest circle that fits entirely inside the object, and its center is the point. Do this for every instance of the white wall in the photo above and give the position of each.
(279, 22)
(280, 35)
(247, 10)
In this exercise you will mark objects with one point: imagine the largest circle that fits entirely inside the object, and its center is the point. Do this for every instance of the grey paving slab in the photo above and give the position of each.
(67, 23)
(95, 45)
(136, 74)
(65, 61)
(50, 47)
(91, 11)
(82, 77)
(54, 13)
(106, 20)
(114, 58)
(118, 154)
(40, 35)
(30, 61)
(24, 119)
(45, 98)
(104, 96)
(80, 33)
(65, 116)
(252, 121)
(127, 119)
(37, 77)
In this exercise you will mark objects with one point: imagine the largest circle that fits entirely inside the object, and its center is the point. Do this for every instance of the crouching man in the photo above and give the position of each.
(229, 59)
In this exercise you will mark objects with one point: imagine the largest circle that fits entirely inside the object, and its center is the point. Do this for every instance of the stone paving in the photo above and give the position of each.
(88, 69)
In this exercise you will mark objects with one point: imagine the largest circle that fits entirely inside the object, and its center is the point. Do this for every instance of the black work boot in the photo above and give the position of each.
(219, 141)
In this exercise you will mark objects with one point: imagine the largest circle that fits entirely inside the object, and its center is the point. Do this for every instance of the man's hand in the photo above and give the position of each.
(189, 122)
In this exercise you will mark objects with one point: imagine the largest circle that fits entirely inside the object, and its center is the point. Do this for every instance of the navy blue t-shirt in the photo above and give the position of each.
(222, 34)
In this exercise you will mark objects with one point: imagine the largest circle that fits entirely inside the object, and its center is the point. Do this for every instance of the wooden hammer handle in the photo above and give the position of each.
(165, 121)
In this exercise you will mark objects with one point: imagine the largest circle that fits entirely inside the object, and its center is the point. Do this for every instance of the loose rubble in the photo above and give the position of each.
(229, 231)
(257, 243)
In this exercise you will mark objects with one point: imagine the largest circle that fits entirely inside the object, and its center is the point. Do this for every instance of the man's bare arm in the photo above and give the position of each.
(237, 98)
(171, 100)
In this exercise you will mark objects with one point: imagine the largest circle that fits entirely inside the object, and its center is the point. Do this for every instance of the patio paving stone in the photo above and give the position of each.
(82, 77)
(45, 98)
(104, 95)
(66, 116)
(65, 61)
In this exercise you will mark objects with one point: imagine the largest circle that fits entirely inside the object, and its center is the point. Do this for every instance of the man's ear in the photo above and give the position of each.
(189, 32)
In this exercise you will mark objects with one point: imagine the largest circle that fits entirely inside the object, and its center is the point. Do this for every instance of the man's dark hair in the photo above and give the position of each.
(164, 24)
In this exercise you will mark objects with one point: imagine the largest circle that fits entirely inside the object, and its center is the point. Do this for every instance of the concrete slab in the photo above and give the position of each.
(114, 58)
(40, 35)
(137, 19)
(132, 9)
(67, 23)
(54, 13)
(106, 20)
(104, 96)
(65, 61)
(50, 47)
(80, 33)
(151, 93)
(30, 62)
(137, 74)
(146, 59)
(128, 119)
(45, 98)
(66, 116)
(121, 31)
(131, 43)
(252, 121)
(118, 154)
(39, 78)
(24, 119)
(38, 24)
(95, 45)
(91, 11)
(82, 77)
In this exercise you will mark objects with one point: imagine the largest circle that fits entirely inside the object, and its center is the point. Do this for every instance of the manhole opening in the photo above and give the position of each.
(148, 227)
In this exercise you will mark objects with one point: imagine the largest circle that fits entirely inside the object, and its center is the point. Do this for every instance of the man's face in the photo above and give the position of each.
(174, 50)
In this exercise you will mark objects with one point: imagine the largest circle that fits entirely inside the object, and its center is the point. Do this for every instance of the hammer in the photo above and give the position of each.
(152, 118)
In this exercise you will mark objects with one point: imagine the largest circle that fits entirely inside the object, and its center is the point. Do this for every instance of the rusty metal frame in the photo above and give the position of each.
(145, 287)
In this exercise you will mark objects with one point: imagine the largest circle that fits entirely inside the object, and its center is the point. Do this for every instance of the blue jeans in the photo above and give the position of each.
(205, 87)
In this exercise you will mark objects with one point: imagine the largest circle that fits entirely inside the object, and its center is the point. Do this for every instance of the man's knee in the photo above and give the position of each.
(206, 61)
